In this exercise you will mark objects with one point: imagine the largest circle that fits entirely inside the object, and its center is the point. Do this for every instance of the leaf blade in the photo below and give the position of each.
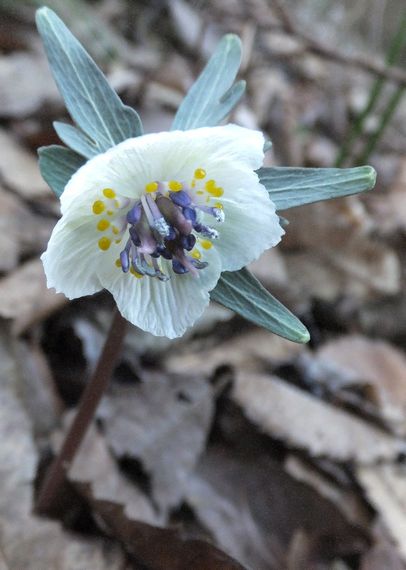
(241, 292)
(76, 140)
(92, 103)
(214, 93)
(57, 165)
(290, 187)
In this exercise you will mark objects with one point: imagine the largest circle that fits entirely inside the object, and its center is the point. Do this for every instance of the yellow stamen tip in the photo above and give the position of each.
(98, 207)
(196, 254)
(109, 193)
(117, 263)
(104, 243)
(151, 187)
(103, 225)
(206, 244)
(214, 190)
(218, 205)
(175, 186)
(200, 173)
(115, 230)
(110, 212)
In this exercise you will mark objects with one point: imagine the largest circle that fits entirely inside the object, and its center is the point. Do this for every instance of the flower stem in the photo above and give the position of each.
(55, 477)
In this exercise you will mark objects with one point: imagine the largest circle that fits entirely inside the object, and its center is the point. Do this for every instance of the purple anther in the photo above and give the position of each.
(198, 227)
(197, 263)
(188, 242)
(134, 215)
(208, 232)
(178, 267)
(125, 260)
(135, 238)
(173, 215)
(180, 198)
(190, 214)
(164, 252)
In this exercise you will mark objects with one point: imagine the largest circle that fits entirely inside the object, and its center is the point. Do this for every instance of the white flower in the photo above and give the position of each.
(157, 218)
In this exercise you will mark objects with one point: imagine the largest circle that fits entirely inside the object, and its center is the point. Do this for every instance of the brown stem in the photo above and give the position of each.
(55, 477)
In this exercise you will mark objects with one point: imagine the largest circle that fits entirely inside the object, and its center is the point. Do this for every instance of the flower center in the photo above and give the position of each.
(164, 230)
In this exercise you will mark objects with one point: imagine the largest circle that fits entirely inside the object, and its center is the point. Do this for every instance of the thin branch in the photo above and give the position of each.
(394, 74)
(55, 477)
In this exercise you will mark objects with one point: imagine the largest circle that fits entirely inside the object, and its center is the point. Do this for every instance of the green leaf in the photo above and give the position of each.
(92, 103)
(76, 140)
(57, 165)
(214, 94)
(291, 187)
(244, 294)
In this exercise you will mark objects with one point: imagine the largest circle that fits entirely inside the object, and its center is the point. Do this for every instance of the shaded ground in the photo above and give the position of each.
(230, 444)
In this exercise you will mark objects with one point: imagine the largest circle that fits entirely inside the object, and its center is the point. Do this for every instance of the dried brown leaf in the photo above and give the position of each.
(385, 487)
(163, 422)
(347, 501)
(246, 351)
(19, 169)
(26, 84)
(375, 366)
(338, 257)
(302, 421)
(126, 513)
(23, 233)
(253, 508)
(27, 541)
(25, 298)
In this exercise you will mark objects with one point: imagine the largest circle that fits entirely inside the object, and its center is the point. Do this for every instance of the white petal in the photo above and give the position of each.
(71, 259)
(132, 164)
(163, 308)
(251, 225)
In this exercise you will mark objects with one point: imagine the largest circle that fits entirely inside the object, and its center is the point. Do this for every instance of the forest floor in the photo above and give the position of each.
(230, 447)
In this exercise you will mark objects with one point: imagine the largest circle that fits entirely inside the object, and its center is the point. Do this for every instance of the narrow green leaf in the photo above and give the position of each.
(244, 294)
(92, 103)
(290, 187)
(76, 140)
(214, 94)
(57, 165)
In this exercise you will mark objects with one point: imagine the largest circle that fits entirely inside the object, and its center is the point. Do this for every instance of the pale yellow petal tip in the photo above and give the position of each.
(371, 177)
(304, 337)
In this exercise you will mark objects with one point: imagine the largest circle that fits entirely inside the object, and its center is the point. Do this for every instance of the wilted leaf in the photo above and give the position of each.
(22, 232)
(163, 422)
(27, 541)
(338, 256)
(19, 169)
(25, 84)
(347, 501)
(25, 298)
(302, 421)
(375, 366)
(253, 508)
(385, 487)
(251, 351)
(127, 514)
